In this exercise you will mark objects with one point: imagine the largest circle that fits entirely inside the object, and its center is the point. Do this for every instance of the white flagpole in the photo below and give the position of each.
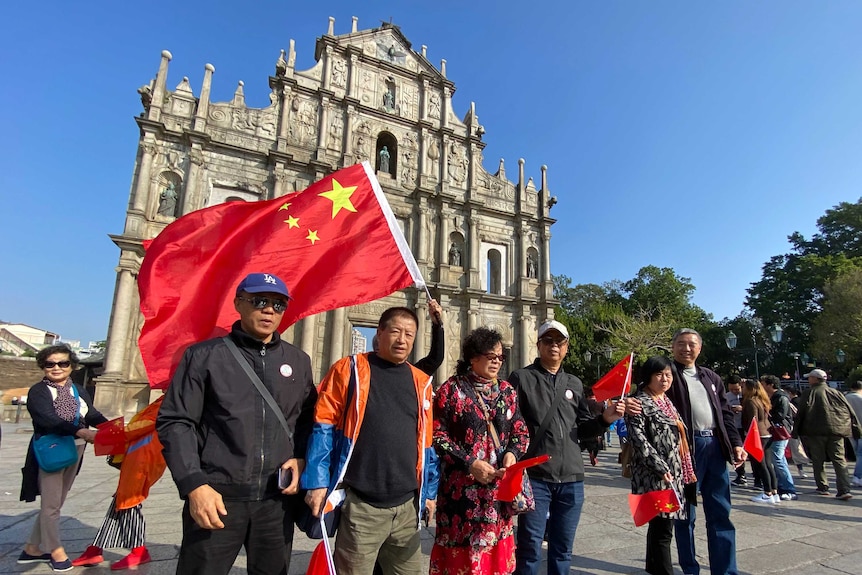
(628, 381)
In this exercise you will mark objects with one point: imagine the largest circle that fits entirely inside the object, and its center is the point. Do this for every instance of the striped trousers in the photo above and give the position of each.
(122, 528)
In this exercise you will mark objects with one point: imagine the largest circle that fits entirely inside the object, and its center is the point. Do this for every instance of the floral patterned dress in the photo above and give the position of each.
(474, 530)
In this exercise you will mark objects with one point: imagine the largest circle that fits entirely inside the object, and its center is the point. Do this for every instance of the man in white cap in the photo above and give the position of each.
(555, 409)
(823, 421)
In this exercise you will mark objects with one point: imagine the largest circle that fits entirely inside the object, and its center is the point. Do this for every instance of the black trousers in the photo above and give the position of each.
(659, 536)
(264, 528)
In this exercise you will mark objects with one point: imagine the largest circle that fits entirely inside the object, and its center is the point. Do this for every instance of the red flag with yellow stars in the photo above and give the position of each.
(648, 505)
(616, 382)
(335, 244)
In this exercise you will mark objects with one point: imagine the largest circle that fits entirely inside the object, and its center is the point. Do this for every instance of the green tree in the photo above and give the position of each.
(791, 289)
(839, 324)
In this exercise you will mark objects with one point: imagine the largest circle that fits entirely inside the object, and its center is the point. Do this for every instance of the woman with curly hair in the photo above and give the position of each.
(478, 433)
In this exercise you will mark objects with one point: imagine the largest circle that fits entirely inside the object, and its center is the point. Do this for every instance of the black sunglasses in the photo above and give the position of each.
(259, 302)
(51, 364)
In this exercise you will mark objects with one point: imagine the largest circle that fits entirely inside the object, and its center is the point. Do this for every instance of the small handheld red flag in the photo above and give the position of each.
(319, 564)
(648, 505)
(753, 446)
(616, 381)
(110, 437)
(510, 484)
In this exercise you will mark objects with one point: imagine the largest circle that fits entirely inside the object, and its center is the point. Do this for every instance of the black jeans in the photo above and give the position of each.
(659, 536)
(265, 528)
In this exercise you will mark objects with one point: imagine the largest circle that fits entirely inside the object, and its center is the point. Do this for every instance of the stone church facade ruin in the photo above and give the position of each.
(482, 242)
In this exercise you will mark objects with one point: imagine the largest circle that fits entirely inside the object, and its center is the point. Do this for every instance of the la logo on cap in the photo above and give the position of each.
(269, 279)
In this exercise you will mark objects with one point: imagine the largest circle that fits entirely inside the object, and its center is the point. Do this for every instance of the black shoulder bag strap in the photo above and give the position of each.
(261, 388)
(558, 397)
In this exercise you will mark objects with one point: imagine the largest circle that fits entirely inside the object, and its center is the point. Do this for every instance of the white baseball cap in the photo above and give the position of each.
(818, 373)
(553, 324)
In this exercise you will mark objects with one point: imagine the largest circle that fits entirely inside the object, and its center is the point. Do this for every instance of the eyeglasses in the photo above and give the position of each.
(63, 364)
(278, 305)
(550, 342)
(492, 356)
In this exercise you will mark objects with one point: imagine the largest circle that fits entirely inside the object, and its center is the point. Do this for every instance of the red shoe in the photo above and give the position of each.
(138, 556)
(92, 556)
(593, 460)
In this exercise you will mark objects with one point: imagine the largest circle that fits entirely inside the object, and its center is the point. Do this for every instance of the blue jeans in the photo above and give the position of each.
(713, 482)
(564, 502)
(775, 451)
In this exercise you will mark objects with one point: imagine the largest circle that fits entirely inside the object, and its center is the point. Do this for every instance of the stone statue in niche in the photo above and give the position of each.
(433, 155)
(384, 160)
(339, 73)
(532, 267)
(168, 201)
(434, 108)
(454, 255)
(389, 98)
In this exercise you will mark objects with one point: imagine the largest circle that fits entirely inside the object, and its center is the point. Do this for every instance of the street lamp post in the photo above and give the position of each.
(731, 341)
(840, 355)
(607, 352)
(795, 356)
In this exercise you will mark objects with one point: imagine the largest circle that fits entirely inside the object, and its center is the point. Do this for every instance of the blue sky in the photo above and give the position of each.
(690, 135)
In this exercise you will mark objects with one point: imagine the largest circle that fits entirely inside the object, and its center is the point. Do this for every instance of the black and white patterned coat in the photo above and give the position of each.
(655, 440)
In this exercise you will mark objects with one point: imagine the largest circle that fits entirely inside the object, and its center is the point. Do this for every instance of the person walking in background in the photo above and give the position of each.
(478, 433)
(553, 405)
(780, 415)
(661, 458)
(755, 406)
(854, 398)
(697, 394)
(734, 400)
(57, 407)
(797, 451)
(823, 421)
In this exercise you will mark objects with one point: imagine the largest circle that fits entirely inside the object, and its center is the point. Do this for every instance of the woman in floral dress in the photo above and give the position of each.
(474, 531)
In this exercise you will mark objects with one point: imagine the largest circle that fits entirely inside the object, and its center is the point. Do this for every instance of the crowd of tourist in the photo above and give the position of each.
(251, 442)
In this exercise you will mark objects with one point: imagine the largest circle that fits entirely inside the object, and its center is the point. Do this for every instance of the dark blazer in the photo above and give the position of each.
(40, 404)
(724, 421)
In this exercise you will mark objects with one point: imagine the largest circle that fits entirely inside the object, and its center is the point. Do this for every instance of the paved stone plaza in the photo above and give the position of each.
(812, 536)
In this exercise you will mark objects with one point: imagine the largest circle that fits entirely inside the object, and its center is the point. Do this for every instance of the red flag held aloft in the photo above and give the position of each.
(335, 244)
(615, 382)
(752, 445)
(648, 505)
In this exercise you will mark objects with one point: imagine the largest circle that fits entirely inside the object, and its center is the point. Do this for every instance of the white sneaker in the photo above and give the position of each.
(762, 498)
(774, 499)
(857, 481)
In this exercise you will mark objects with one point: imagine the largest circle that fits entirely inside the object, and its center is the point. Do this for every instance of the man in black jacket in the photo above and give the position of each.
(698, 395)
(555, 409)
(226, 448)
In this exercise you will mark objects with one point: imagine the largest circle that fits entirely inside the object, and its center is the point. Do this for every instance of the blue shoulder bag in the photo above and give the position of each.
(55, 452)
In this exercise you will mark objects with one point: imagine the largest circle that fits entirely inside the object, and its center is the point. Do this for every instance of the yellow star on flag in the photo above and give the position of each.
(284, 206)
(340, 197)
(312, 236)
(292, 222)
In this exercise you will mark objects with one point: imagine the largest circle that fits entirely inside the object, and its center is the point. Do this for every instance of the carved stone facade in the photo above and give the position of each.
(481, 241)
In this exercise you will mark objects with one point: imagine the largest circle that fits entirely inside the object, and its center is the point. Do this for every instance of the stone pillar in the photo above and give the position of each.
(155, 111)
(475, 248)
(421, 229)
(524, 335)
(352, 76)
(545, 258)
(121, 319)
(322, 128)
(306, 342)
(196, 160)
(327, 64)
(444, 109)
(337, 322)
(284, 115)
(200, 122)
(142, 185)
(472, 317)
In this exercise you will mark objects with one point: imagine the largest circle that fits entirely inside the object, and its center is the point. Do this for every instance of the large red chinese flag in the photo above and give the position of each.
(335, 244)
(616, 382)
(648, 505)
(752, 445)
